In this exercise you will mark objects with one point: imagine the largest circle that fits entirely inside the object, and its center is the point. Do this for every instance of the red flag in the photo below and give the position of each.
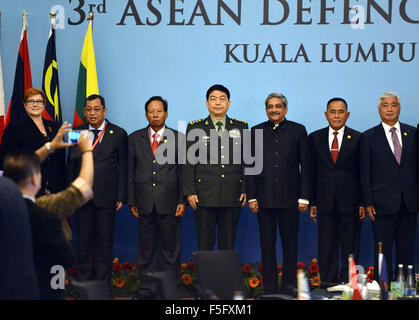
(23, 77)
(1, 101)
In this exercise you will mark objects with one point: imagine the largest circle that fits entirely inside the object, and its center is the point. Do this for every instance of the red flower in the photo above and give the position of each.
(127, 266)
(313, 269)
(246, 268)
(191, 264)
(117, 267)
(279, 267)
(301, 265)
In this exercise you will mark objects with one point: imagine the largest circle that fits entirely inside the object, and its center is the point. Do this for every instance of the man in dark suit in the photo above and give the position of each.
(50, 247)
(18, 280)
(95, 220)
(335, 192)
(154, 194)
(213, 178)
(280, 190)
(388, 182)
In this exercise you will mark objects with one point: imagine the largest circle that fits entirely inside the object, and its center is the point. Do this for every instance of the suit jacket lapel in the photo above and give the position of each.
(325, 145)
(208, 125)
(382, 138)
(146, 142)
(105, 139)
(405, 132)
(346, 140)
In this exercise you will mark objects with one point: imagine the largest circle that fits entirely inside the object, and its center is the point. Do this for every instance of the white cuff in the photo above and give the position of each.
(303, 201)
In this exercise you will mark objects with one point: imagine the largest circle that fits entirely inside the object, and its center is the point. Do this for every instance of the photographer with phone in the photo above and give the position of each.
(49, 229)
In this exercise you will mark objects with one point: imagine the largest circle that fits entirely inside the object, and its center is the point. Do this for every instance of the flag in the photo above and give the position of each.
(23, 77)
(87, 83)
(382, 275)
(354, 280)
(1, 101)
(50, 83)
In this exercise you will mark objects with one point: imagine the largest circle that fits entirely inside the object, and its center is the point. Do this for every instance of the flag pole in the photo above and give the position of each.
(91, 18)
(25, 18)
(52, 16)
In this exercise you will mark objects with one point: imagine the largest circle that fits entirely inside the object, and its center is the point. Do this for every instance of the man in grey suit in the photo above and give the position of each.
(388, 183)
(154, 195)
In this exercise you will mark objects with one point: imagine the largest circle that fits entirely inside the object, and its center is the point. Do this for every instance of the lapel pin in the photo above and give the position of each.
(111, 132)
(206, 122)
(231, 121)
(405, 133)
(165, 140)
(50, 129)
(349, 136)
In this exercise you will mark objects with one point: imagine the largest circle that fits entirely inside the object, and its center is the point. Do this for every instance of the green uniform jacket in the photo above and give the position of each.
(214, 168)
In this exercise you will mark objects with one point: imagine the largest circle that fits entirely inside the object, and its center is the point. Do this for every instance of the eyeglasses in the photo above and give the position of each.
(93, 110)
(32, 102)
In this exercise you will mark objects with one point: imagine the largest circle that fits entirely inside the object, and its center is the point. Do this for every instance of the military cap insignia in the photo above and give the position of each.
(234, 133)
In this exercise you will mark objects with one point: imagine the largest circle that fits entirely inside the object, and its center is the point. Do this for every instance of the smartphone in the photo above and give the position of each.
(74, 136)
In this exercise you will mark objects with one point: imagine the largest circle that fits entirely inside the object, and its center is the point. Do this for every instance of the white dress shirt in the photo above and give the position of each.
(100, 130)
(388, 134)
(159, 134)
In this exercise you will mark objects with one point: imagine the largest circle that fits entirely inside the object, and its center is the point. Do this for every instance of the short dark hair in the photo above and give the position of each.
(156, 98)
(94, 97)
(21, 165)
(218, 87)
(32, 92)
(334, 100)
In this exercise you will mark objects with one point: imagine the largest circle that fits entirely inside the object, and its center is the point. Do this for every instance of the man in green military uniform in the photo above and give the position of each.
(213, 177)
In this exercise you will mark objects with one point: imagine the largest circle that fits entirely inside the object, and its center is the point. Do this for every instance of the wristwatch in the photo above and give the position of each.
(49, 148)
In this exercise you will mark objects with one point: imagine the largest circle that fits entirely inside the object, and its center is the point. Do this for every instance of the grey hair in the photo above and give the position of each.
(388, 95)
(279, 96)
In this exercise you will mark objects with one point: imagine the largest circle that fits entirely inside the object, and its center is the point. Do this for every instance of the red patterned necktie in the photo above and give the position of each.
(155, 143)
(335, 147)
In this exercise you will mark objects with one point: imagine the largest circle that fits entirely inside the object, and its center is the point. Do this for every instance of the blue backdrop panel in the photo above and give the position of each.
(308, 50)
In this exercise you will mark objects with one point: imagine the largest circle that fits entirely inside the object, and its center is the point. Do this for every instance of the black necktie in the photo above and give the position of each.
(96, 135)
(220, 126)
